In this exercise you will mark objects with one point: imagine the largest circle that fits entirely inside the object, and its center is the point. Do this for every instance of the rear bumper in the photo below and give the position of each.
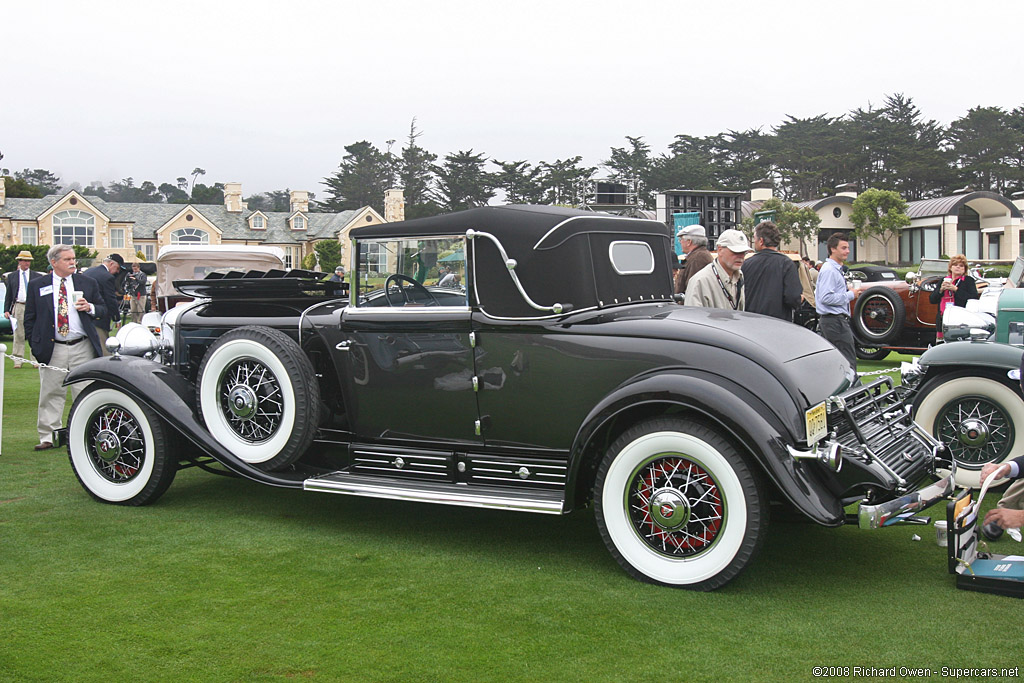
(903, 509)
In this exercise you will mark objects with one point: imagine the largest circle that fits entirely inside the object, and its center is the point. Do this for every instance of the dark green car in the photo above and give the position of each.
(967, 392)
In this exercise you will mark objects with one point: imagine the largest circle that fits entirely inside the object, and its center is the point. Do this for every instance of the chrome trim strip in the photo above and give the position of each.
(467, 499)
(516, 462)
(392, 470)
(515, 477)
(417, 456)
(599, 217)
(510, 263)
(302, 316)
(389, 312)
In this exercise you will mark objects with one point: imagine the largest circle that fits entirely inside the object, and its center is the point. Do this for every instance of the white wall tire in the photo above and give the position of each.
(258, 396)
(118, 448)
(978, 418)
(677, 505)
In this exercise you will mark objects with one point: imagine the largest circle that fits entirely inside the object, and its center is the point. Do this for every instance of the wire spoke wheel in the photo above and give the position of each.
(976, 430)
(675, 506)
(975, 416)
(259, 396)
(119, 448)
(115, 443)
(251, 400)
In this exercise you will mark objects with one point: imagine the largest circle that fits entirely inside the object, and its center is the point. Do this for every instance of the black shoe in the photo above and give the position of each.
(992, 531)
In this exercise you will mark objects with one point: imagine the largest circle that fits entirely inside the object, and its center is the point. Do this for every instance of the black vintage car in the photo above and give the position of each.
(551, 371)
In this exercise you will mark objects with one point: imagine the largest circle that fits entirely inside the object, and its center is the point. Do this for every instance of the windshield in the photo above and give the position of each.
(408, 266)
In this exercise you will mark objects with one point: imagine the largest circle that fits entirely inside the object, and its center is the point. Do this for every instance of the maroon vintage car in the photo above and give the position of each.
(890, 314)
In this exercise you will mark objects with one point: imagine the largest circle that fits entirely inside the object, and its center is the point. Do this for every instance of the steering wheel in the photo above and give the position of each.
(403, 283)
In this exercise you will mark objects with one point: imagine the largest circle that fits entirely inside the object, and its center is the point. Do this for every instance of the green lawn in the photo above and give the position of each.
(229, 580)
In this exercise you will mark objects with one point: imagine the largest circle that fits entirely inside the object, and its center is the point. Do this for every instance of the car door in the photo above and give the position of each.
(410, 374)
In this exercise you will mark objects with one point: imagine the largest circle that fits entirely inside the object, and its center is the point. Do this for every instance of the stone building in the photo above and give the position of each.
(129, 228)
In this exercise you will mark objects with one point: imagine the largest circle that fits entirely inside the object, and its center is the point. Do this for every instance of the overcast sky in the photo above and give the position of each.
(269, 93)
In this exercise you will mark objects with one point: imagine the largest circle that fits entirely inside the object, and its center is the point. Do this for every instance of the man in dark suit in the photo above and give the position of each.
(59, 314)
(105, 276)
(14, 303)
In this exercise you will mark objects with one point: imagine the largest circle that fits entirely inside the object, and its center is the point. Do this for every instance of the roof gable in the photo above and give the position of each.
(64, 201)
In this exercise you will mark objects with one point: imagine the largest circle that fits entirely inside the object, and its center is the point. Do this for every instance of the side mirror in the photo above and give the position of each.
(911, 277)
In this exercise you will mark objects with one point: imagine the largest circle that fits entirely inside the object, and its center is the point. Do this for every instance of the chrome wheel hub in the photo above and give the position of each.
(976, 430)
(973, 433)
(669, 509)
(251, 400)
(107, 445)
(116, 444)
(242, 402)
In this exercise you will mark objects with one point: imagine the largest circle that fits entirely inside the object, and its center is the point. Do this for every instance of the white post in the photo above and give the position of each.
(3, 366)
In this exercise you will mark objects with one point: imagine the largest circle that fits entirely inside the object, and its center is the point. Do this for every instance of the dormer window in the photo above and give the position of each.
(258, 223)
(298, 222)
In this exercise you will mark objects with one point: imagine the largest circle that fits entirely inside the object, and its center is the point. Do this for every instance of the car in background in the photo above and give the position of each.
(870, 273)
(197, 261)
(889, 314)
(525, 391)
(966, 392)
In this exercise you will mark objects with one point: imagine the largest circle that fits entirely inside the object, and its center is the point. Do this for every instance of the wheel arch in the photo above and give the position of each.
(172, 398)
(982, 354)
(757, 437)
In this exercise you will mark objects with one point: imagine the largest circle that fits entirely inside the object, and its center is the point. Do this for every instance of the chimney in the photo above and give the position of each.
(233, 197)
(761, 190)
(3, 190)
(298, 201)
(394, 205)
(847, 190)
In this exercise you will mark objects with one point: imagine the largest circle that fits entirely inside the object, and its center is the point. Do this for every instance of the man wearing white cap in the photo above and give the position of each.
(693, 240)
(14, 303)
(720, 283)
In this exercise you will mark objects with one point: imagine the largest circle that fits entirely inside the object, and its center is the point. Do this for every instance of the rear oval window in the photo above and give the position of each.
(631, 258)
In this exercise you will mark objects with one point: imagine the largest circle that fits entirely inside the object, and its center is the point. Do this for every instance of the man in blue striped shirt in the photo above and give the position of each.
(832, 298)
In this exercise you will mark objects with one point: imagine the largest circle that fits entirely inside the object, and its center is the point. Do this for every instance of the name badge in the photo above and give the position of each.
(46, 290)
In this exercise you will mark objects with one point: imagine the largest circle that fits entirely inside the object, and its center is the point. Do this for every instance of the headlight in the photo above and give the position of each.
(134, 339)
(959, 323)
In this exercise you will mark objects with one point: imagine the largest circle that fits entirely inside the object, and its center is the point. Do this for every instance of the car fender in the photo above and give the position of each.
(984, 354)
(173, 399)
(730, 406)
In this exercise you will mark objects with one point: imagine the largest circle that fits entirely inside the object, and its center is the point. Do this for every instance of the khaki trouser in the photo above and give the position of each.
(52, 392)
(1013, 497)
(138, 308)
(19, 334)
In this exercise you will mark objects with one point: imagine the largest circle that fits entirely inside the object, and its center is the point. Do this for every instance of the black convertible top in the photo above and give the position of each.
(562, 256)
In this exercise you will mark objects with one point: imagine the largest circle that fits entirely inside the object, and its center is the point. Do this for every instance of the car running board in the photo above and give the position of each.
(445, 493)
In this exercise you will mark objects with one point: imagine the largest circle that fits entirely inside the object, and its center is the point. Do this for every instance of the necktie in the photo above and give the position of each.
(62, 311)
(23, 290)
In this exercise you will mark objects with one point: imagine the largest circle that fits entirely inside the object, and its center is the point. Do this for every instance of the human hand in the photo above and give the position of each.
(1005, 517)
(991, 467)
(81, 304)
